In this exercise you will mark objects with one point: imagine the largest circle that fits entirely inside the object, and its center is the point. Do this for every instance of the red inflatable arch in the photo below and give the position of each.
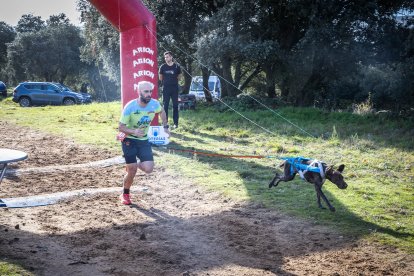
(137, 27)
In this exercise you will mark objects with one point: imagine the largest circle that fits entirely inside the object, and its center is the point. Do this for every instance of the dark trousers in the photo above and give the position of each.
(171, 93)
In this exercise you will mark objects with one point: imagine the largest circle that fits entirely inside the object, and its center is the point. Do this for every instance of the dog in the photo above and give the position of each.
(312, 171)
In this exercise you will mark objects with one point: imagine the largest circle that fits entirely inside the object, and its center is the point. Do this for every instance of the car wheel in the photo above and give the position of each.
(68, 102)
(25, 102)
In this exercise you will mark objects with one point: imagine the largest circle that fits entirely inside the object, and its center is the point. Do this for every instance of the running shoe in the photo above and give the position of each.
(125, 199)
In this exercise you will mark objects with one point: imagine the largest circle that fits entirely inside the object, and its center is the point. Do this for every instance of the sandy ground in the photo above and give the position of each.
(175, 228)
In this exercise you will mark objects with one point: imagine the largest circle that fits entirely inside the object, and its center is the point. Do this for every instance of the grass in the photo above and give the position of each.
(91, 125)
(13, 269)
(377, 153)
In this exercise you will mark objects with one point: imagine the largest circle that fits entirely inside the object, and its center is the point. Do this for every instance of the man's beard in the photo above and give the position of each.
(144, 100)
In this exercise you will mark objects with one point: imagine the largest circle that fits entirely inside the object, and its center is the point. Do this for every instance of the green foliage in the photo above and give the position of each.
(322, 54)
(29, 23)
(49, 54)
(328, 55)
(12, 269)
(7, 34)
(237, 53)
(365, 107)
(180, 39)
(100, 50)
(57, 20)
(245, 102)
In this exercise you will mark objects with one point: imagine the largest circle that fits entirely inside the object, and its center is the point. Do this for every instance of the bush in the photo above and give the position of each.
(244, 102)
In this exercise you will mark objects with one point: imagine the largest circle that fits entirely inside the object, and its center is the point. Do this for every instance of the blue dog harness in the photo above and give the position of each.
(297, 166)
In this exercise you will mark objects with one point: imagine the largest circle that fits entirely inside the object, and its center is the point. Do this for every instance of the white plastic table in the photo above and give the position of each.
(9, 156)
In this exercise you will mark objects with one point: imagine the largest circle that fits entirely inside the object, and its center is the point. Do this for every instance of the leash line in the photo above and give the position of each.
(217, 154)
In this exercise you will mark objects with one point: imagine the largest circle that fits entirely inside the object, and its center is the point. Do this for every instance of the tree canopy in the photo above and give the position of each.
(329, 54)
(7, 35)
(29, 23)
(101, 52)
(50, 53)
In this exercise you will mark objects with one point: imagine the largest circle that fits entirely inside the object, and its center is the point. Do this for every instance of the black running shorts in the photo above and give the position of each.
(134, 148)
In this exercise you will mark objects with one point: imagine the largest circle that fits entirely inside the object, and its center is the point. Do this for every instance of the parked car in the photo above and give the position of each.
(87, 97)
(214, 85)
(3, 89)
(45, 93)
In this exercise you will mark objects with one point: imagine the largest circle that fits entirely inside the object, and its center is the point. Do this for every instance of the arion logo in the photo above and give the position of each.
(143, 61)
(141, 50)
(143, 73)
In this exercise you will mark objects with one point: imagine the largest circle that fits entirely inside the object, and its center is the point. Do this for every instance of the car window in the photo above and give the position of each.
(52, 87)
(65, 88)
(197, 86)
(62, 87)
(32, 86)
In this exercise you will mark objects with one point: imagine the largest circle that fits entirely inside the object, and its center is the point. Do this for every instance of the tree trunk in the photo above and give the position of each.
(187, 76)
(284, 93)
(270, 80)
(308, 93)
(228, 89)
(237, 74)
(207, 94)
(256, 71)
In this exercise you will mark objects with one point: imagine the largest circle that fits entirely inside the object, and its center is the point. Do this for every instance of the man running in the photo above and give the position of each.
(135, 121)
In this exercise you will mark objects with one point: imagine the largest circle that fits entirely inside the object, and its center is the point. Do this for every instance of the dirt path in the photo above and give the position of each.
(176, 228)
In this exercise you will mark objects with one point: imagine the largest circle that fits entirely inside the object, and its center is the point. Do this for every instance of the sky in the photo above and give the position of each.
(12, 10)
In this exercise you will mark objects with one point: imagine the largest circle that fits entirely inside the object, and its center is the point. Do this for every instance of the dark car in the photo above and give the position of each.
(45, 93)
(3, 89)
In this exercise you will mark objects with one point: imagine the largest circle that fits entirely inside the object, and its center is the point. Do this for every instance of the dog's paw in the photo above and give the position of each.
(271, 184)
(332, 209)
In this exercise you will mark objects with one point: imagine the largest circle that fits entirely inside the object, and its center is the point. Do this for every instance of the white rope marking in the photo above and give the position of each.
(48, 199)
(62, 168)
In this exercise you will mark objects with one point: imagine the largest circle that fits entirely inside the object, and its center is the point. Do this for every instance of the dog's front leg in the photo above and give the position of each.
(318, 188)
(318, 197)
